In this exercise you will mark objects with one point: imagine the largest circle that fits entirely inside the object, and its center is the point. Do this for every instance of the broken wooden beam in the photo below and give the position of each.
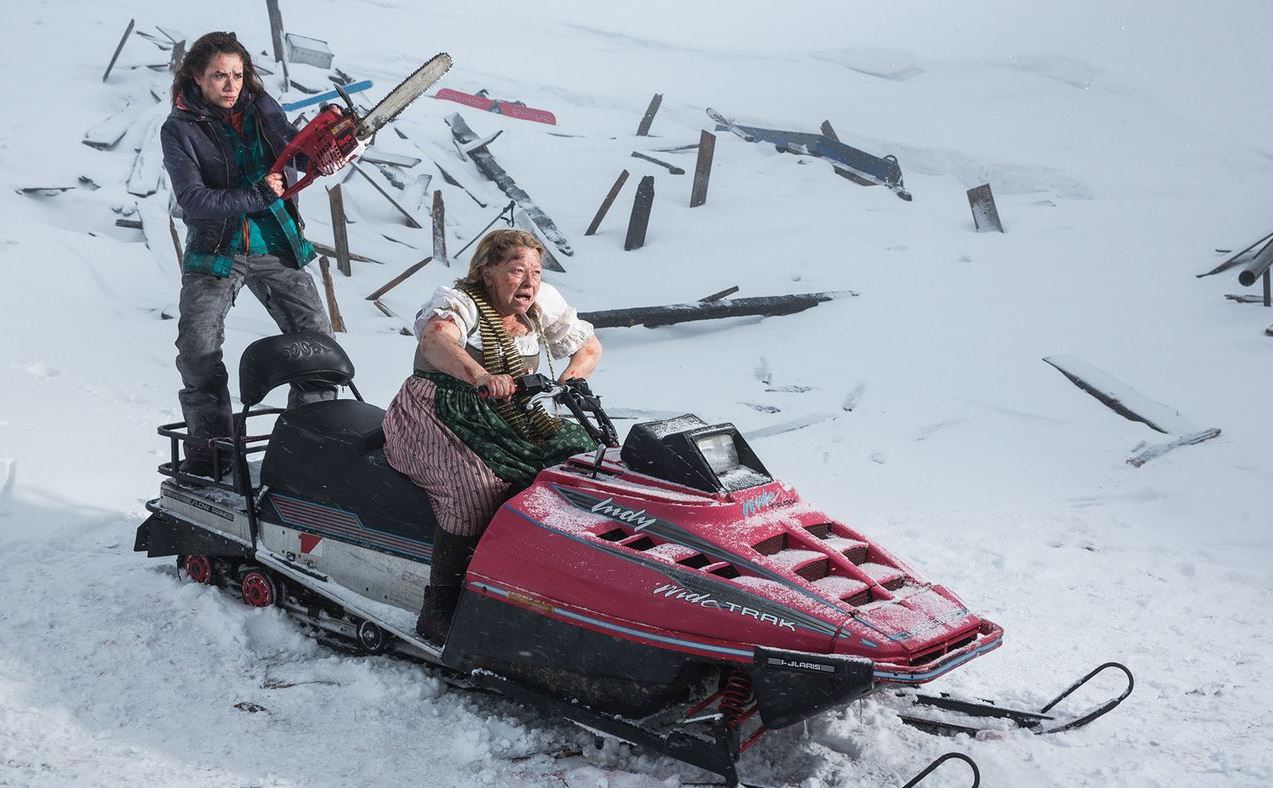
(399, 279)
(439, 229)
(883, 170)
(643, 128)
(1120, 397)
(729, 291)
(330, 251)
(340, 233)
(118, 48)
(486, 163)
(131, 224)
(985, 215)
(672, 168)
(276, 28)
(333, 310)
(1150, 452)
(377, 156)
(607, 202)
(702, 168)
(107, 134)
(176, 241)
(654, 316)
(640, 219)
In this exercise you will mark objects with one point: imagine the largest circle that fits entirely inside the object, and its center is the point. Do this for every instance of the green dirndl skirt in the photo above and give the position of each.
(476, 422)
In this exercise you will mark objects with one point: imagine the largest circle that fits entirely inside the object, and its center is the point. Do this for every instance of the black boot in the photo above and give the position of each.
(451, 556)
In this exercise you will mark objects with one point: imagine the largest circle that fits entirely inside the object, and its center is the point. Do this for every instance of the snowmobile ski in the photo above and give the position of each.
(1039, 722)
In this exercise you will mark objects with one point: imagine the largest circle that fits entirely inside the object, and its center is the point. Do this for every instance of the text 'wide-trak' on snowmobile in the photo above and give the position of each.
(668, 592)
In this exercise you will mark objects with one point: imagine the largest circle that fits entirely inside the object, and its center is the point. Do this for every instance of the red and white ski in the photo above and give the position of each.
(512, 109)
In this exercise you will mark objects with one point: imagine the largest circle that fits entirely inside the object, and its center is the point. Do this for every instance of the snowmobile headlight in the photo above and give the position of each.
(719, 451)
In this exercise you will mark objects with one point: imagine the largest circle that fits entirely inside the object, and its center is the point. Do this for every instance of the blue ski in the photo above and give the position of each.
(330, 95)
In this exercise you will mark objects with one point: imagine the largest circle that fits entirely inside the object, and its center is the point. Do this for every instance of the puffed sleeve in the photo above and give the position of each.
(564, 332)
(450, 303)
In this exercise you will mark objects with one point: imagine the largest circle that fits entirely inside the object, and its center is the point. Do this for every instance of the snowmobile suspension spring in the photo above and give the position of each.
(736, 696)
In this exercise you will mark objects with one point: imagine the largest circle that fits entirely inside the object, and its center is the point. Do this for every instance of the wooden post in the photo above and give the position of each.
(703, 169)
(399, 279)
(340, 234)
(984, 213)
(276, 28)
(120, 48)
(333, 311)
(176, 241)
(439, 229)
(607, 202)
(178, 54)
(640, 219)
(643, 130)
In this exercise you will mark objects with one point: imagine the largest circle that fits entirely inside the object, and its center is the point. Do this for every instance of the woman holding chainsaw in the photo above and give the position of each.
(470, 452)
(220, 142)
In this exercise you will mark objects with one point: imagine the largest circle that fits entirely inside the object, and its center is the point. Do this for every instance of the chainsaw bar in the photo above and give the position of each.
(411, 88)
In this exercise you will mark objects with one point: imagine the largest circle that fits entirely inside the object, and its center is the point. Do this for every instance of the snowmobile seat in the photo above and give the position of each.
(306, 357)
(332, 453)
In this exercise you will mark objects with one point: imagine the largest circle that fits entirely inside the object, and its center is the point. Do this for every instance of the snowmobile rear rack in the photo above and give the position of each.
(1035, 721)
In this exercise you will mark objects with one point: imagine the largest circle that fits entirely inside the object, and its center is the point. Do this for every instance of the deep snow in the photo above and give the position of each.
(1124, 146)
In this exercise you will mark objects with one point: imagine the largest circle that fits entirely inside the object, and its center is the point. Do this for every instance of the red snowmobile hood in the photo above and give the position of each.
(724, 571)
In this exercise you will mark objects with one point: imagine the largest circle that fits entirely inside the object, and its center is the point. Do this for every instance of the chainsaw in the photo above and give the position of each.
(336, 135)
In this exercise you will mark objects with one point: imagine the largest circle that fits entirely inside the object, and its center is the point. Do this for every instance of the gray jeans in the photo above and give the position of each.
(290, 297)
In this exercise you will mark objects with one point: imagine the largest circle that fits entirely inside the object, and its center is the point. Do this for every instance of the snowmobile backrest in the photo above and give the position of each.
(305, 357)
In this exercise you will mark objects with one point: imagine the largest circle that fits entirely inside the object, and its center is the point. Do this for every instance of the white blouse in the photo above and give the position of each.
(564, 332)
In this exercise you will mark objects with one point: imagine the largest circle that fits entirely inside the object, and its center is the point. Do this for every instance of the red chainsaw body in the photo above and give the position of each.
(328, 142)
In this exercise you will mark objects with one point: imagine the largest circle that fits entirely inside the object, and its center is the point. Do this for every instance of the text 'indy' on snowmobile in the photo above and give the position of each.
(668, 592)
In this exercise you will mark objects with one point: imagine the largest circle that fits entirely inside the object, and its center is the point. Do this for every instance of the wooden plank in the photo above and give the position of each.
(522, 221)
(340, 233)
(1150, 452)
(486, 163)
(413, 196)
(107, 134)
(330, 251)
(118, 48)
(639, 222)
(1120, 397)
(399, 279)
(333, 309)
(411, 222)
(377, 156)
(276, 28)
(143, 178)
(607, 202)
(985, 215)
(178, 54)
(654, 316)
(672, 168)
(439, 229)
(435, 154)
(643, 129)
(729, 291)
(702, 168)
(131, 224)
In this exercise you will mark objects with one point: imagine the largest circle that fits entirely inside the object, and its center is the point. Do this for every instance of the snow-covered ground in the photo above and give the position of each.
(1124, 145)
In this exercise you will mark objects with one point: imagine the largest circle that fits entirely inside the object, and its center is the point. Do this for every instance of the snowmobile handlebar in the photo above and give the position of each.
(575, 395)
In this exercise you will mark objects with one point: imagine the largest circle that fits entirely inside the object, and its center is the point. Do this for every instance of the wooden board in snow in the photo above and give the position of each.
(1120, 397)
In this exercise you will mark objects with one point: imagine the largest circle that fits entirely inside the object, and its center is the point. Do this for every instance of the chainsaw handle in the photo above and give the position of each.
(300, 144)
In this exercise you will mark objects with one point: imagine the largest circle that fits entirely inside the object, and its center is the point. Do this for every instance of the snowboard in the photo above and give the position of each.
(512, 109)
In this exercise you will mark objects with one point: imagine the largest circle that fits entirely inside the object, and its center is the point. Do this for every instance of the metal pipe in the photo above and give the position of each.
(1258, 265)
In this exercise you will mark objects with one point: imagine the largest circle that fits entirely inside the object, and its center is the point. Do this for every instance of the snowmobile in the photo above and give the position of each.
(667, 591)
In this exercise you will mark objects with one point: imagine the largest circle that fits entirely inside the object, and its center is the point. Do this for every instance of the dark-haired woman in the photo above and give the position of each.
(219, 141)
(470, 453)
